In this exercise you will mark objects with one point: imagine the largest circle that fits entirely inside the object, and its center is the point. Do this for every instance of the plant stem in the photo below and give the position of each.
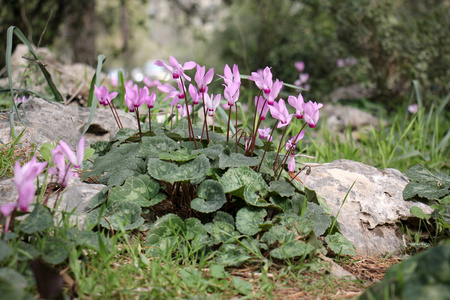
(265, 150)
(228, 128)
(279, 147)
(139, 122)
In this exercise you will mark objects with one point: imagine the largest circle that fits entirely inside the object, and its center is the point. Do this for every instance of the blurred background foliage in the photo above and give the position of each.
(390, 42)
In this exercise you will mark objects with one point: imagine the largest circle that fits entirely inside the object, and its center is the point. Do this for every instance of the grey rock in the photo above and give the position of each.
(51, 121)
(339, 118)
(369, 217)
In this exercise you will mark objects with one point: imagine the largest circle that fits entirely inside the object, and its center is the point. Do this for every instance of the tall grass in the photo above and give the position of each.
(401, 141)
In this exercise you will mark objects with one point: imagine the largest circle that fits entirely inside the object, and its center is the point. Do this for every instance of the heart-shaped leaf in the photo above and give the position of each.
(235, 160)
(56, 250)
(210, 197)
(137, 189)
(171, 172)
(153, 146)
(39, 220)
(123, 214)
(291, 249)
(282, 188)
(248, 219)
(339, 244)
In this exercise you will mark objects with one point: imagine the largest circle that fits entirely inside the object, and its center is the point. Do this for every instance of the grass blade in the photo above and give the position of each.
(48, 77)
(93, 100)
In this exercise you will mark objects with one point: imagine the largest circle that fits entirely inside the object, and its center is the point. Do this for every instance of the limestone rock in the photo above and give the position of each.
(369, 217)
(51, 121)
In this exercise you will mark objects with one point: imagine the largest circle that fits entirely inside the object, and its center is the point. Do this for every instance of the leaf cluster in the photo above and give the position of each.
(210, 195)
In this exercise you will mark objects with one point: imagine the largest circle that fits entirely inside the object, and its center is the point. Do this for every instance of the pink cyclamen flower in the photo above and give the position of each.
(103, 96)
(276, 88)
(279, 111)
(195, 96)
(230, 77)
(231, 93)
(176, 94)
(311, 113)
(149, 99)
(297, 103)
(232, 84)
(413, 108)
(151, 83)
(340, 63)
(203, 79)
(300, 66)
(24, 178)
(77, 159)
(183, 111)
(262, 107)
(263, 81)
(293, 141)
(291, 163)
(21, 100)
(61, 169)
(134, 97)
(264, 133)
(211, 103)
(176, 68)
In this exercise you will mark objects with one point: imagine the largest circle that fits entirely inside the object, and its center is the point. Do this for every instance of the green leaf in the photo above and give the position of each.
(221, 232)
(235, 180)
(45, 151)
(88, 152)
(163, 234)
(340, 245)
(56, 250)
(136, 189)
(282, 188)
(153, 146)
(5, 250)
(321, 219)
(235, 160)
(218, 271)
(212, 151)
(191, 277)
(242, 286)
(12, 284)
(157, 199)
(231, 255)
(210, 197)
(222, 216)
(90, 239)
(27, 251)
(182, 156)
(123, 214)
(283, 203)
(171, 172)
(256, 192)
(291, 249)
(39, 220)
(194, 228)
(98, 199)
(427, 185)
(418, 212)
(248, 220)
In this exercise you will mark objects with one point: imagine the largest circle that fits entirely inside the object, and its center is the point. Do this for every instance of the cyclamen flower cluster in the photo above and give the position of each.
(62, 169)
(266, 101)
(302, 77)
(24, 178)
